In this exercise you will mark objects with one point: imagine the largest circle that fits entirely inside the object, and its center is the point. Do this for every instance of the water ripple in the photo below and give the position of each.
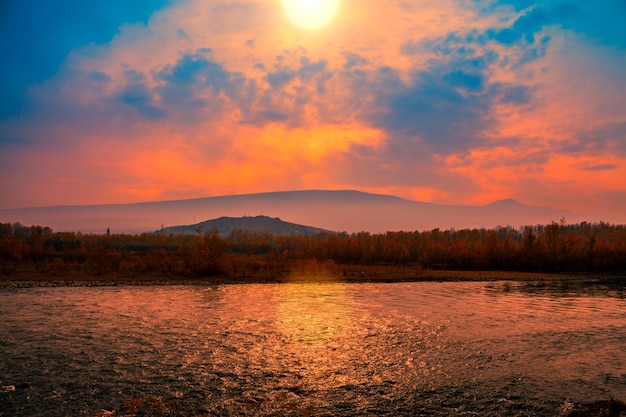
(312, 349)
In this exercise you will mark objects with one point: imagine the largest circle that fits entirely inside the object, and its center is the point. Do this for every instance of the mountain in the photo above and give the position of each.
(263, 224)
(350, 211)
(507, 203)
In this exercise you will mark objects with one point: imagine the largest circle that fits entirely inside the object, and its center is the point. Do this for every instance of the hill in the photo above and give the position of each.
(350, 211)
(260, 224)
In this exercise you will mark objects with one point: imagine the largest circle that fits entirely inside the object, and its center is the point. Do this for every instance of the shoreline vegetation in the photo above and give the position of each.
(38, 256)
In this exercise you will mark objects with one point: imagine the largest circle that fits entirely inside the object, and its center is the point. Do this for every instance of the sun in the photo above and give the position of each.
(310, 14)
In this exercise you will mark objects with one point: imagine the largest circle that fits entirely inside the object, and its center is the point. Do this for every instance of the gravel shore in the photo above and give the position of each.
(30, 280)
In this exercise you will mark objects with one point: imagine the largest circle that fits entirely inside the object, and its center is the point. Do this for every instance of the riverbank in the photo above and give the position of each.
(348, 274)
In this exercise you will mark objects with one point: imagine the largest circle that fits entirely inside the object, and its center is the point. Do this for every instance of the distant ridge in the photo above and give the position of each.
(259, 224)
(507, 202)
(344, 210)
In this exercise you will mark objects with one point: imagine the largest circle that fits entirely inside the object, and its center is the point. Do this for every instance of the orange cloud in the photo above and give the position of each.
(427, 100)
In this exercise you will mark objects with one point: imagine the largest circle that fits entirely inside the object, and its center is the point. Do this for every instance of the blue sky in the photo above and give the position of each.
(38, 35)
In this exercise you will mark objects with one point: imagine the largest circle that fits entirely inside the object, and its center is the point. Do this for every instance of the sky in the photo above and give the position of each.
(444, 101)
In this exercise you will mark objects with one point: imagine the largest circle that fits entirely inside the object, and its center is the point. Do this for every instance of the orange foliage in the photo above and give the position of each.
(583, 247)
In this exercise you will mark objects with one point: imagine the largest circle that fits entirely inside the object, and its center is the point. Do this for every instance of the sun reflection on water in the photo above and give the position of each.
(313, 314)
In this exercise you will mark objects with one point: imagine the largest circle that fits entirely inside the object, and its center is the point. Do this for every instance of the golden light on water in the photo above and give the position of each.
(310, 14)
(313, 314)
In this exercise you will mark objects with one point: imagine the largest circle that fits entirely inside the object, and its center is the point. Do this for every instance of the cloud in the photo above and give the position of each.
(353, 61)
(196, 87)
(600, 167)
(516, 94)
(433, 111)
(195, 69)
(280, 78)
(38, 36)
(447, 101)
(609, 137)
(448, 107)
(137, 95)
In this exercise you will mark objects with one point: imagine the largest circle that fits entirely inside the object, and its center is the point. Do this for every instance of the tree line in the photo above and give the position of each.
(555, 247)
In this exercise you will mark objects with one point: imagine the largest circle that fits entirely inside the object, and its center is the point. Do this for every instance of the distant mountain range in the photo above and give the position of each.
(350, 211)
(260, 224)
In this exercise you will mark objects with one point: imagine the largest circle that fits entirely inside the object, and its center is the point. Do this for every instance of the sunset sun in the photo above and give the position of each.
(310, 14)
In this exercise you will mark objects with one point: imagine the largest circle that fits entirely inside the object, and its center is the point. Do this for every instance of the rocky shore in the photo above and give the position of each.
(31, 280)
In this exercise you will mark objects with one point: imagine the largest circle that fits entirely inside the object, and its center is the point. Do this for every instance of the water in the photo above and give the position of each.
(312, 349)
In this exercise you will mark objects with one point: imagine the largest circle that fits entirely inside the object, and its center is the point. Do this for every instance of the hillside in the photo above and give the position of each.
(259, 224)
(350, 211)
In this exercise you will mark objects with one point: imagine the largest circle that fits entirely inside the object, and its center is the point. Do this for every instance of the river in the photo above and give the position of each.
(312, 349)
